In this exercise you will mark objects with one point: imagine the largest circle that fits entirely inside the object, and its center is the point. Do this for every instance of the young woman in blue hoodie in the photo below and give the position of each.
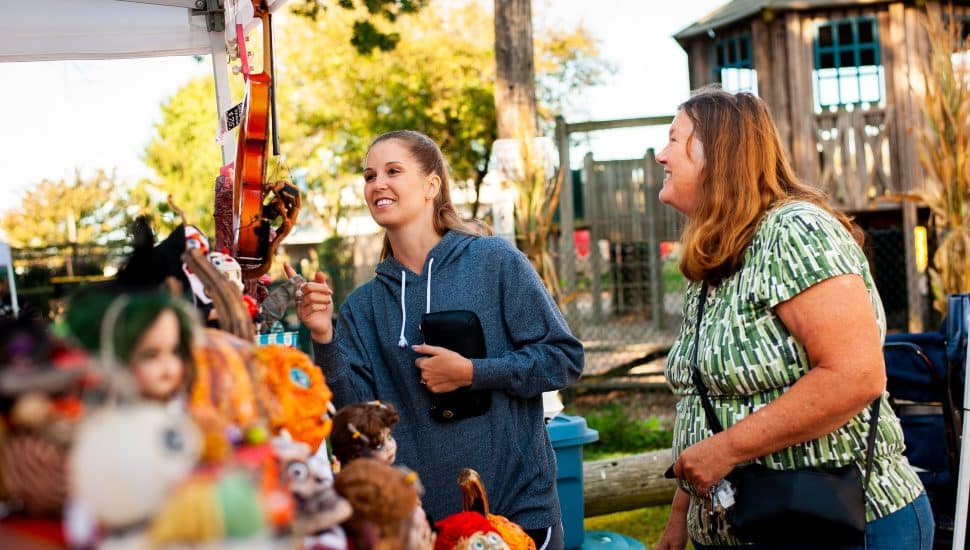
(375, 349)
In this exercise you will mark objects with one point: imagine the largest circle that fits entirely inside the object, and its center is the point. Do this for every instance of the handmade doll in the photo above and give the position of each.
(149, 334)
(41, 380)
(385, 499)
(124, 464)
(319, 510)
(474, 498)
(294, 393)
(364, 430)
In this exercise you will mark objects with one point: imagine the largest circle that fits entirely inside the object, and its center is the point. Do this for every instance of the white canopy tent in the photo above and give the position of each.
(50, 30)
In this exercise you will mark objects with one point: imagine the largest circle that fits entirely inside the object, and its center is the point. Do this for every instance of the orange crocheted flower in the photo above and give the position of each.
(297, 395)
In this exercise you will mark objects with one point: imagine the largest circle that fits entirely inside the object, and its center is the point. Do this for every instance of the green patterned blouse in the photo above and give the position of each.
(747, 358)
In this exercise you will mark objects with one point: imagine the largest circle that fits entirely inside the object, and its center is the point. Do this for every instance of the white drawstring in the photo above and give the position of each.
(402, 342)
(427, 307)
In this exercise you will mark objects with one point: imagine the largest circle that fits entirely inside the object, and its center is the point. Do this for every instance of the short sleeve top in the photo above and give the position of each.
(747, 357)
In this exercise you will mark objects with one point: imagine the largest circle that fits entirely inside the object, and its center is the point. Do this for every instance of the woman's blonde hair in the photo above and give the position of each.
(745, 174)
(426, 152)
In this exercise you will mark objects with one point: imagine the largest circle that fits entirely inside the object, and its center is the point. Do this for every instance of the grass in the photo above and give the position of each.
(645, 525)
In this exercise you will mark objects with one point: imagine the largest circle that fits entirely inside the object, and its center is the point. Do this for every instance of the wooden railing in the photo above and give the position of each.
(855, 156)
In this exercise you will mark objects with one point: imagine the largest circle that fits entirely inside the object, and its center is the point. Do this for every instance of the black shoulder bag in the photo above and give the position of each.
(805, 505)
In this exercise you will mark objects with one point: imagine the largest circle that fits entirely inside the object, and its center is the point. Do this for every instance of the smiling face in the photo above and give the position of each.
(155, 361)
(683, 162)
(398, 192)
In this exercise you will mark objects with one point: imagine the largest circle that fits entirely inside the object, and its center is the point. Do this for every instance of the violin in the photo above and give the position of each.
(251, 229)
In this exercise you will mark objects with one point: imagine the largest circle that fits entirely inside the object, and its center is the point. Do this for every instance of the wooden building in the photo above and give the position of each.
(843, 81)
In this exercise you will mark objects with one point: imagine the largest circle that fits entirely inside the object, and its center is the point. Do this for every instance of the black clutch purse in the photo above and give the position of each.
(461, 332)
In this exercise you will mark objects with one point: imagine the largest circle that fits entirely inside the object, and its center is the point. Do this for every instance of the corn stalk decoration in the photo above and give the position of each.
(536, 200)
(945, 155)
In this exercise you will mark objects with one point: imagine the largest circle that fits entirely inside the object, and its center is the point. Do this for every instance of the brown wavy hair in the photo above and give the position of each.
(429, 157)
(745, 174)
(357, 429)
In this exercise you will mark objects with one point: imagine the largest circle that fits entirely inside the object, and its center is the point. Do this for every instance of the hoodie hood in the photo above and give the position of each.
(396, 277)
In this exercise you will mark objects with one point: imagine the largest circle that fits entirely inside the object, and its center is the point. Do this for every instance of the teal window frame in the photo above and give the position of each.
(847, 63)
(733, 53)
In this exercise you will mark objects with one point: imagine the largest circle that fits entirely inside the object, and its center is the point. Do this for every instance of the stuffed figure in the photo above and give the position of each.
(222, 395)
(294, 393)
(41, 382)
(364, 430)
(319, 510)
(475, 499)
(387, 499)
(468, 531)
(124, 464)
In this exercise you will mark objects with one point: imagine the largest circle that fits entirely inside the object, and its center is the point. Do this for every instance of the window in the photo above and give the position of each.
(732, 64)
(848, 70)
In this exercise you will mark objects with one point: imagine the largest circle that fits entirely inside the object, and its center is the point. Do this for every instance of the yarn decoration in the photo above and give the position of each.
(297, 396)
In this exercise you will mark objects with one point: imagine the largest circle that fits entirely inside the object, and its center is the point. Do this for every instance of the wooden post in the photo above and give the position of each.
(593, 200)
(627, 483)
(651, 188)
(906, 62)
(804, 140)
(567, 225)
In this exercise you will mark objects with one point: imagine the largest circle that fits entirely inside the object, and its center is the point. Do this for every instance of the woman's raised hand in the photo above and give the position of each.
(314, 306)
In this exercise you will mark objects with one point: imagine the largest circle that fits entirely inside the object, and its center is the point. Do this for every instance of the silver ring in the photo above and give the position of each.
(424, 382)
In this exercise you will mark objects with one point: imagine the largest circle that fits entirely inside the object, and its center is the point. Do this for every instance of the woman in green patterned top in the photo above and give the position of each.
(790, 344)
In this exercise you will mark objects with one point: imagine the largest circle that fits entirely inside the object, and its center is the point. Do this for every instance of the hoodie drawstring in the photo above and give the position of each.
(427, 307)
(402, 342)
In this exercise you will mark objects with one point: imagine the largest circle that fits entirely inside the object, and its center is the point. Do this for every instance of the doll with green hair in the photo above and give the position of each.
(150, 333)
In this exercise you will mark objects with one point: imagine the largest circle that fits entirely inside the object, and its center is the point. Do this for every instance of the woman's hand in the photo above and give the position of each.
(314, 306)
(442, 370)
(705, 463)
(674, 536)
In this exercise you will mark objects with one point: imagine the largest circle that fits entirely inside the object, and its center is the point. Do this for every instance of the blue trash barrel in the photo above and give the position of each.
(568, 435)
(607, 540)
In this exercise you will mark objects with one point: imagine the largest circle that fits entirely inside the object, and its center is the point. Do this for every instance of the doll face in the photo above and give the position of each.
(386, 450)
(155, 361)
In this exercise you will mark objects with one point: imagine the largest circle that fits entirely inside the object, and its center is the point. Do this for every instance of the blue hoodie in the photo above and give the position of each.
(530, 350)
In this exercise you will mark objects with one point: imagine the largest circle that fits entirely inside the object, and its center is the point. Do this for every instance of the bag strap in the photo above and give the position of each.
(715, 423)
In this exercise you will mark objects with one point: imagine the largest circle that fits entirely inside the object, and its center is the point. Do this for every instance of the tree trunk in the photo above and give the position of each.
(627, 483)
(515, 88)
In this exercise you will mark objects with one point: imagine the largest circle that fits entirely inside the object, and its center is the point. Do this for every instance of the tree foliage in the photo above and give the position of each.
(332, 100)
(366, 37)
(439, 80)
(184, 155)
(82, 211)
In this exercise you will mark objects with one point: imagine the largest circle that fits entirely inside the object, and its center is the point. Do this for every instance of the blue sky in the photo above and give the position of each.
(59, 116)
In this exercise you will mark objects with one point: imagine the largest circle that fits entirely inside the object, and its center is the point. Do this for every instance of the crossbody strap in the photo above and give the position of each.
(715, 423)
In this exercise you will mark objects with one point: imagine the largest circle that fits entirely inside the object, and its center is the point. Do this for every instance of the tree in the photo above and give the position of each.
(184, 155)
(80, 211)
(515, 90)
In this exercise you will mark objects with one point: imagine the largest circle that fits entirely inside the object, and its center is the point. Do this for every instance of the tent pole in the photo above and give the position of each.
(220, 71)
